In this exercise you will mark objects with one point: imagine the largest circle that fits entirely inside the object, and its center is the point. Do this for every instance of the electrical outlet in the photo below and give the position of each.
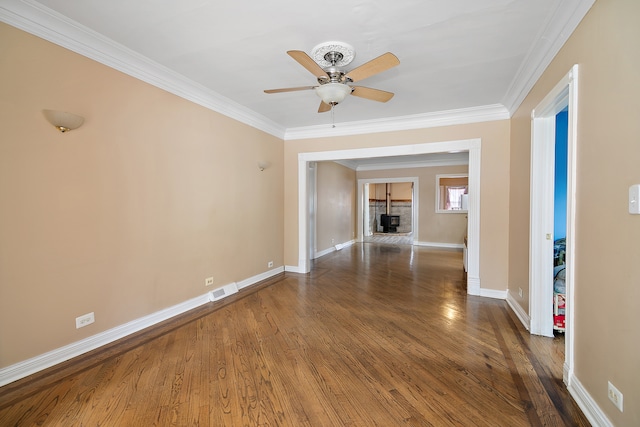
(208, 281)
(520, 292)
(615, 396)
(270, 264)
(85, 320)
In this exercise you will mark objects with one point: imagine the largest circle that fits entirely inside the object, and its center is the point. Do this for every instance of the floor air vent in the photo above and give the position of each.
(223, 292)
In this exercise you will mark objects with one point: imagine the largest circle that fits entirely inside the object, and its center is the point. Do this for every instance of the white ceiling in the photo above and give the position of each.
(478, 56)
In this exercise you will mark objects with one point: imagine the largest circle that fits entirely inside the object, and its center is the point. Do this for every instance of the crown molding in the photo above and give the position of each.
(34, 18)
(417, 121)
(552, 36)
(49, 25)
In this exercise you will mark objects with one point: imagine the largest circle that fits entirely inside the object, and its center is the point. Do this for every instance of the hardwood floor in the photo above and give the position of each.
(375, 335)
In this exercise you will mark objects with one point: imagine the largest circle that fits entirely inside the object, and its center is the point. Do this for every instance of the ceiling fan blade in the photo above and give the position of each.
(289, 89)
(307, 62)
(372, 94)
(324, 107)
(375, 66)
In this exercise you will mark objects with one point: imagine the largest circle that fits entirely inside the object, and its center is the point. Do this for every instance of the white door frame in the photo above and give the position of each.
(364, 198)
(473, 146)
(564, 94)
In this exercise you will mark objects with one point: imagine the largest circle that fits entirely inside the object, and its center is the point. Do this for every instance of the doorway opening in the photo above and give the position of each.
(389, 209)
(473, 146)
(541, 268)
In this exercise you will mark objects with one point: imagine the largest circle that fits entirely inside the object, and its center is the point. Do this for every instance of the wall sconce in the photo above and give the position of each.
(62, 120)
(263, 165)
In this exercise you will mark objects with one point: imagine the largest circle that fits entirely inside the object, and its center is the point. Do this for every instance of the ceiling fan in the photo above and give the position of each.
(326, 62)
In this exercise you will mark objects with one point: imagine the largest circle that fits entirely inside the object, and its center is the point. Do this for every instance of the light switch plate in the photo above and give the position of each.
(634, 199)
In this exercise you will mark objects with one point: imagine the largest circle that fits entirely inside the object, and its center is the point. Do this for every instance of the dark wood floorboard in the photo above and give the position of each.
(375, 335)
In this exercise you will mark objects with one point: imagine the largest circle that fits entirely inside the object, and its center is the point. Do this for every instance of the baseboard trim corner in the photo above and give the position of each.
(519, 311)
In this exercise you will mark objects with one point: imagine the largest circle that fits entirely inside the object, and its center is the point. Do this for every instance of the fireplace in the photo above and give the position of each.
(390, 223)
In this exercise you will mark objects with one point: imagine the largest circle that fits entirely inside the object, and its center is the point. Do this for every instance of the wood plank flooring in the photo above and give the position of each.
(375, 335)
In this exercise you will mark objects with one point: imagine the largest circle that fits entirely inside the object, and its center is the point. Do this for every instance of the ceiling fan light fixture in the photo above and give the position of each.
(333, 93)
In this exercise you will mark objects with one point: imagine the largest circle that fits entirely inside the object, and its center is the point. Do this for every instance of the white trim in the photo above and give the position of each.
(324, 252)
(259, 277)
(34, 18)
(518, 310)
(587, 404)
(473, 285)
(440, 245)
(565, 93)
(59, 355)
(43, 361)
(485, 113)
(39, 20)
(493, 293)
(331, 249)
(415, 202)
(563, 21)
(473, 238)
(340, 246)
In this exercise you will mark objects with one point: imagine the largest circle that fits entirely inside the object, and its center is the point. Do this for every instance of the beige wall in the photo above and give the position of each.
(336, 205)
(607, 295)
(432, 227)
(126, 215)
(494, 185)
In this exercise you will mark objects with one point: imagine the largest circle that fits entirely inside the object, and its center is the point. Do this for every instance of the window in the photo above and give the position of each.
(451, 193)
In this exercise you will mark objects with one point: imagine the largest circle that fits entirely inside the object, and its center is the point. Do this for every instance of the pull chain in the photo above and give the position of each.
(333, 121)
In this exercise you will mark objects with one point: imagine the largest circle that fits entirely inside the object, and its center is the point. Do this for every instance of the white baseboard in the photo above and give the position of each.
(294, 269)
(324, 252)
(493, 293)
(589, 407)
(38, 363)
(259, 277)
(440, 245)
(473, 285)
(519, 311)
(344, 245)
(333, 249)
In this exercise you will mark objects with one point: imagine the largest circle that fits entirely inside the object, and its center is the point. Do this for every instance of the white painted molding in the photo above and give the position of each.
(493, 293)
(45, 23)
(551, 38)
(589, 407)
(259, 277)
(518, 310)
(324, 252)
(473, 146)
(440, 245)
(340, 246)
(48, 24)
(59, 355)
(473, 285)
(331, 249)
(479, 114)
(38, 363)
(293, 269)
